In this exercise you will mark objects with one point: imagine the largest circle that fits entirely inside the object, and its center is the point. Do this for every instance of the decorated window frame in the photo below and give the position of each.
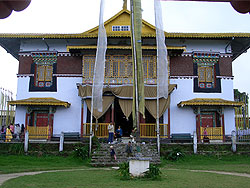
(206, 70)
(43, 67)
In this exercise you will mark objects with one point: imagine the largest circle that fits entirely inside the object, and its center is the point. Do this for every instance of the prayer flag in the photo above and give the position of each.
(99, 62)
(162, 54)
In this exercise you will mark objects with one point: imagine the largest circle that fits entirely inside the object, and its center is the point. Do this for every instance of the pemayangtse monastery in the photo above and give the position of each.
(56, 71)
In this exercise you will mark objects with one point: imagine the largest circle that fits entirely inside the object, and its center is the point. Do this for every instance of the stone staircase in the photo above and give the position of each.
(101, 157)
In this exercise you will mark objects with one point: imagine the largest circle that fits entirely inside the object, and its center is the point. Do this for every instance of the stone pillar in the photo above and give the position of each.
(26, 141)
(195, 142)
(233, 141)
(61, 142)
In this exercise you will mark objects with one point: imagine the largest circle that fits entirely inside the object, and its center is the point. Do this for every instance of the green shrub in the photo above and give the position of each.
(124, 171)
(81, 152)
(17, 149)
(175, 154)
(153, 172)
(96, 142)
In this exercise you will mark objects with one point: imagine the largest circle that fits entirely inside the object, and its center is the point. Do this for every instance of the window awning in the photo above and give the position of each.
(49, 101)
(209, 102)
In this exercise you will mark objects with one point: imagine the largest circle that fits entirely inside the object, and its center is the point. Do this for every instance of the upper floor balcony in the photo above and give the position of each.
(119, 69)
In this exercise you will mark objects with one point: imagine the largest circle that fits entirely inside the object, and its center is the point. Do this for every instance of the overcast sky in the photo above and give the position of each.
(76, 16)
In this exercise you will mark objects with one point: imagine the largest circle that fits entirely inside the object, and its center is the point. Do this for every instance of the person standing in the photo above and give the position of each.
(129, 149)
(22, 131)
(118, 133)
(111, 133)
(8, 135)
(11, 127)
(17, 131)
(112, 153)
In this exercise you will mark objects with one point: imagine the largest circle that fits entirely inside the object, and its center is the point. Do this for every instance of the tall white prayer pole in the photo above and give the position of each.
(98, 77)
(162, 64)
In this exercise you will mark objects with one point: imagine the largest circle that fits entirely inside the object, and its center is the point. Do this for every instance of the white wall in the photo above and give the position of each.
(41, 45)
(183, 120)
(201, 45)
(229, 120)
(65, 119)
(20, 115)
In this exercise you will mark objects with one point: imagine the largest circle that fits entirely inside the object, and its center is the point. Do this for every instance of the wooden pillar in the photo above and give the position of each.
(82, 119)
(198, 118)
(168, 123)
(223, 124)
(50, 118)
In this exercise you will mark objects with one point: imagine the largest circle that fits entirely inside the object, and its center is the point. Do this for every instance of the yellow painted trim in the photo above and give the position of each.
(40, 101)
(127, 47)
(167, 35)
(209, 102)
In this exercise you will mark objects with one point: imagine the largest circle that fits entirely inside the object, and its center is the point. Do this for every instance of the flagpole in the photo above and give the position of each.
(135, 72)
(91, 124)
(157, 118)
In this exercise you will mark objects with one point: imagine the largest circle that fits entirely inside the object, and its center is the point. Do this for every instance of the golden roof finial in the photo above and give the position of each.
(124, 5)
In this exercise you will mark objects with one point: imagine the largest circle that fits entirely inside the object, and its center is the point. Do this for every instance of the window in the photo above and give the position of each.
(120, 28)
(206, 76)
(125, 28)
(44, 74)
(116, 28)
(206, 68)
(43, 68)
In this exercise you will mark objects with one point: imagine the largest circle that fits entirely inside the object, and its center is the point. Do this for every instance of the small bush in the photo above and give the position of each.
(96, 142)
(81, 152)
(175, 154)
(124, 171)
(153, 172)
(17, 149)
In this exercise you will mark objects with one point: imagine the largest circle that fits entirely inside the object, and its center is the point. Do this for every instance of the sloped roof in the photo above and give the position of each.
(209, 102)
(11, 41)
(40, 101)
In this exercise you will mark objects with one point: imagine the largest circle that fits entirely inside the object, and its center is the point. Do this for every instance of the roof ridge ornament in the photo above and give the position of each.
(124, 7)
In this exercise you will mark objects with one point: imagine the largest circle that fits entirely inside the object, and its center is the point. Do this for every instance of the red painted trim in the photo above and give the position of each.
(168, 123)
(50, 126)
(223, 127)
(198, 116)
(82, 120)
(26, 120)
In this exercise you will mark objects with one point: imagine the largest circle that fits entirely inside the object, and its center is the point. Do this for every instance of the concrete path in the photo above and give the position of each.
(224, 173)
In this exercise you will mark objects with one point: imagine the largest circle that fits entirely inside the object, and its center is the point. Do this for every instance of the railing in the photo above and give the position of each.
(100, 130)
(120, 66)
(213, 133)
(38, 132)
(243, 135)
(148, 130)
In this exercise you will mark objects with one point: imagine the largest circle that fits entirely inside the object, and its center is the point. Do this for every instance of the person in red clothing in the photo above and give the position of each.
(12, 128)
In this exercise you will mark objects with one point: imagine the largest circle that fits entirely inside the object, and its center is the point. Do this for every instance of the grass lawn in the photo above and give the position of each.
(22, 163)
(174, 174)
(233, 163)
(109, 178)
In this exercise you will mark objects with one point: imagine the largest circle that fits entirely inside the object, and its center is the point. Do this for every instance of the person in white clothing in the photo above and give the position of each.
(111, 133)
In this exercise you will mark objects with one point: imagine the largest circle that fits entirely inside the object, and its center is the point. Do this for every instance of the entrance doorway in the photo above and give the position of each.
(121, 120)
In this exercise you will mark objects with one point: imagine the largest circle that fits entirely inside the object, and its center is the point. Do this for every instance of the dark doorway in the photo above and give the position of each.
(121, 120)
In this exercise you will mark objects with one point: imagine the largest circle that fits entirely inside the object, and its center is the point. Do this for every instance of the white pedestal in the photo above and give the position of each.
(137, 166)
